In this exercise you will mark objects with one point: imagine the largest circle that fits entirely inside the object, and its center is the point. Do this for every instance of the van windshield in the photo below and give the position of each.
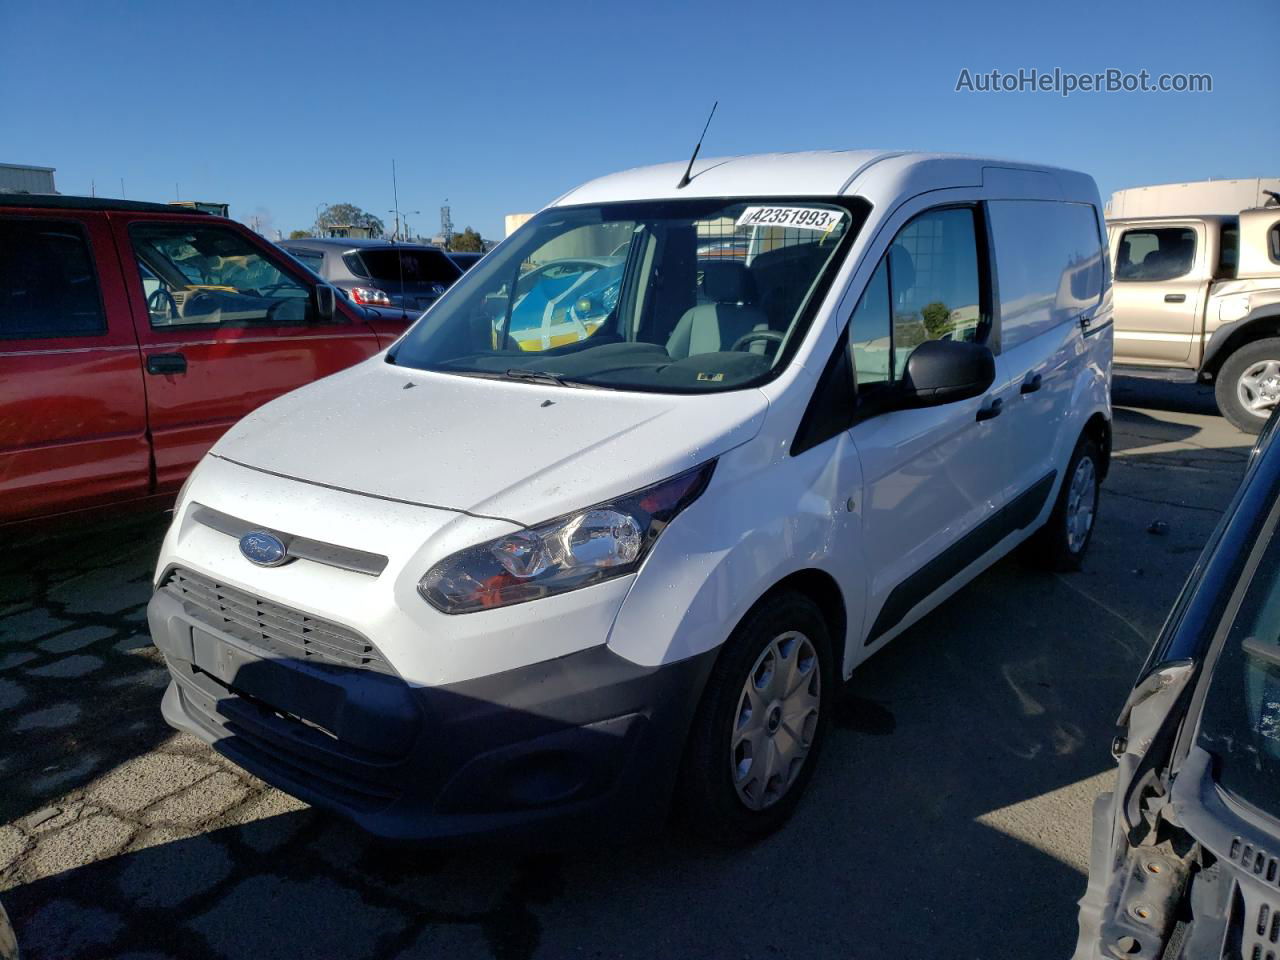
(1240, 722)
(665, 296)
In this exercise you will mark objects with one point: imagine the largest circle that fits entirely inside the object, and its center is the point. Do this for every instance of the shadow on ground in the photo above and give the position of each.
(949, 817)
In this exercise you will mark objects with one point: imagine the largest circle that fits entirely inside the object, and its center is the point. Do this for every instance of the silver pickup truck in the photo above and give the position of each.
(1197, 298)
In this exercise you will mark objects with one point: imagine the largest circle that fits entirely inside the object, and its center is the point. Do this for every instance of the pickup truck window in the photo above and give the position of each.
(1229, 253)
(210, 275)
(48, 288)
(1153, 254)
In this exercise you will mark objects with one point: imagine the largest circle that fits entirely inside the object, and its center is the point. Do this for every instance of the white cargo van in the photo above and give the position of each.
(616, 518)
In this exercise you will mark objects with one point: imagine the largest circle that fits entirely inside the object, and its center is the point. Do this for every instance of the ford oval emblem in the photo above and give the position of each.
(264, 549)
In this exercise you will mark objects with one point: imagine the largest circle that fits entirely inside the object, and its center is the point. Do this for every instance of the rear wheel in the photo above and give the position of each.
(1063, 541)
(761, 722)
(1248, 385)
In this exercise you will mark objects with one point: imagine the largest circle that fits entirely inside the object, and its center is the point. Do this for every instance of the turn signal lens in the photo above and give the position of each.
(593, 545)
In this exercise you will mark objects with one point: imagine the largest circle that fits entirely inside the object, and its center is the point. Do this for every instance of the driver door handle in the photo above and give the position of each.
(161, 364)
(989, 411)
(1032, 383)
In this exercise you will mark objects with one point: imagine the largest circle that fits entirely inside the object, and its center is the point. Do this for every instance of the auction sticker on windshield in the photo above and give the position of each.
(797, 218)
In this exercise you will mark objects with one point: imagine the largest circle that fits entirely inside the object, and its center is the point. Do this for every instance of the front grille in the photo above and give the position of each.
(275, 629)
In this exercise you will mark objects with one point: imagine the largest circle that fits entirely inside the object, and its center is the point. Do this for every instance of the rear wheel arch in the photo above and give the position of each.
(1098, 428)
(1254, 327)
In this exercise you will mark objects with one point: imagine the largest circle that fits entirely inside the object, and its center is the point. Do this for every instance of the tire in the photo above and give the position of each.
(1250, 377)
(724, 793)
(1061, 544)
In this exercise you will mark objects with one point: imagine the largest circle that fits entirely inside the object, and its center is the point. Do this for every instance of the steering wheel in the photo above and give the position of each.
(161, 302)
(772, 336)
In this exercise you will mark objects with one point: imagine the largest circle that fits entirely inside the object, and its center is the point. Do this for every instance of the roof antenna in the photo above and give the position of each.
(684, 181)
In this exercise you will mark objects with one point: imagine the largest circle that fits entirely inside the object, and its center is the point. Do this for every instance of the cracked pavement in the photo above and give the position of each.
(949, 817)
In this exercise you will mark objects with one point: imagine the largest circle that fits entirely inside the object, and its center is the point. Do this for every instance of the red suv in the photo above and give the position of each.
(133, 334)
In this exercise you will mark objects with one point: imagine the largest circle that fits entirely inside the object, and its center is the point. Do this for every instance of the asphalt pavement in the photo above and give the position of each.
(949, 817)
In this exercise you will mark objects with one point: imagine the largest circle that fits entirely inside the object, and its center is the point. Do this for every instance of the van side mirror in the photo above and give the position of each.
(944, 371)
(326, 301)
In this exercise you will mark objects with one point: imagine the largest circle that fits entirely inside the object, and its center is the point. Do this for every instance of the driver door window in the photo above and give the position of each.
(925, 288)
(212, 276)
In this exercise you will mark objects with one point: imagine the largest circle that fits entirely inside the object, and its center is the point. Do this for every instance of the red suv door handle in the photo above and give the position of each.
(160, 364)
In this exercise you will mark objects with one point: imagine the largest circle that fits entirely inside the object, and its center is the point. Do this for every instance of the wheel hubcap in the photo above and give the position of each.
(776, 720)
(1082, 502)
(1258, 388)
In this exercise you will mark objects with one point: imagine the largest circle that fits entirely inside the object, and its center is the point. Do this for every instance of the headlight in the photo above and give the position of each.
(602, 542)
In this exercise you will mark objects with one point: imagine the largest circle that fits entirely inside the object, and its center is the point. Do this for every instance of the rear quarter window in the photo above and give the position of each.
(48, 284)
(1049, 264)
(387, 264)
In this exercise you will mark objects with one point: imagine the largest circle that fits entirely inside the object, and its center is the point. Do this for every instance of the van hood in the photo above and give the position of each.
(511, 450)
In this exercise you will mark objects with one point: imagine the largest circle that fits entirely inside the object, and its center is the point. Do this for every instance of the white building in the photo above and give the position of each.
(19, 178)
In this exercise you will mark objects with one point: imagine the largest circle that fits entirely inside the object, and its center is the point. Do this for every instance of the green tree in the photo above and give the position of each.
(937, 319)
(468, 241)
(347, 214)
(299, 234)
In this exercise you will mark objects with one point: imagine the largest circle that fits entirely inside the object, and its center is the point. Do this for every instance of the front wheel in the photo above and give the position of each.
(761, 722)
(1248, 385)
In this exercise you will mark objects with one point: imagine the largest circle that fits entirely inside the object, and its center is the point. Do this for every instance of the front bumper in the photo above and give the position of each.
(588, 744)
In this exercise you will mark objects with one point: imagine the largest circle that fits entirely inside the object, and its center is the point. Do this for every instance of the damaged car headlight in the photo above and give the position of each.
(602, 542)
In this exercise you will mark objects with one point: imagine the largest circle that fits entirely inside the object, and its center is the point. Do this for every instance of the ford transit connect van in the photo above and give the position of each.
(550, 572)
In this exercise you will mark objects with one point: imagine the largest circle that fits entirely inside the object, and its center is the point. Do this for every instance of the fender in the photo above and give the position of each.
(763, 518)
(1265, 321)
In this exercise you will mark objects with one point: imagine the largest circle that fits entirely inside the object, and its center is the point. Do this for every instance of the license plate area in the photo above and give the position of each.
(369, 711)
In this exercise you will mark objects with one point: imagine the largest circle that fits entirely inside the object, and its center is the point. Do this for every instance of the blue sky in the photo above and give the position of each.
(275, 107)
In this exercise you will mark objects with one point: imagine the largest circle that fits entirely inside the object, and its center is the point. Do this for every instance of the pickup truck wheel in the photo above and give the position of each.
(761, 722)
(1248, 385)
(1062, 542)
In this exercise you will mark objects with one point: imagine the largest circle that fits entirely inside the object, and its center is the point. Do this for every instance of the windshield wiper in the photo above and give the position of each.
(539, 376)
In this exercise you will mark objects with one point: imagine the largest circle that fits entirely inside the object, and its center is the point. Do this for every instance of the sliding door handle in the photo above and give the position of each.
(1175, 298)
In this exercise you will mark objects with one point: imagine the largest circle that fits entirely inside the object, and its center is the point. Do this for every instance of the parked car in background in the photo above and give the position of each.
(465, 261)
(562, 301)
(133, 334)
(1185, 862)
(1198, 298)
(396, 280)
(478, 586)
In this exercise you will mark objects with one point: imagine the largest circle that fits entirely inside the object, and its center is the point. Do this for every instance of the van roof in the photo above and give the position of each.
(878, 175)
(61, 201)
